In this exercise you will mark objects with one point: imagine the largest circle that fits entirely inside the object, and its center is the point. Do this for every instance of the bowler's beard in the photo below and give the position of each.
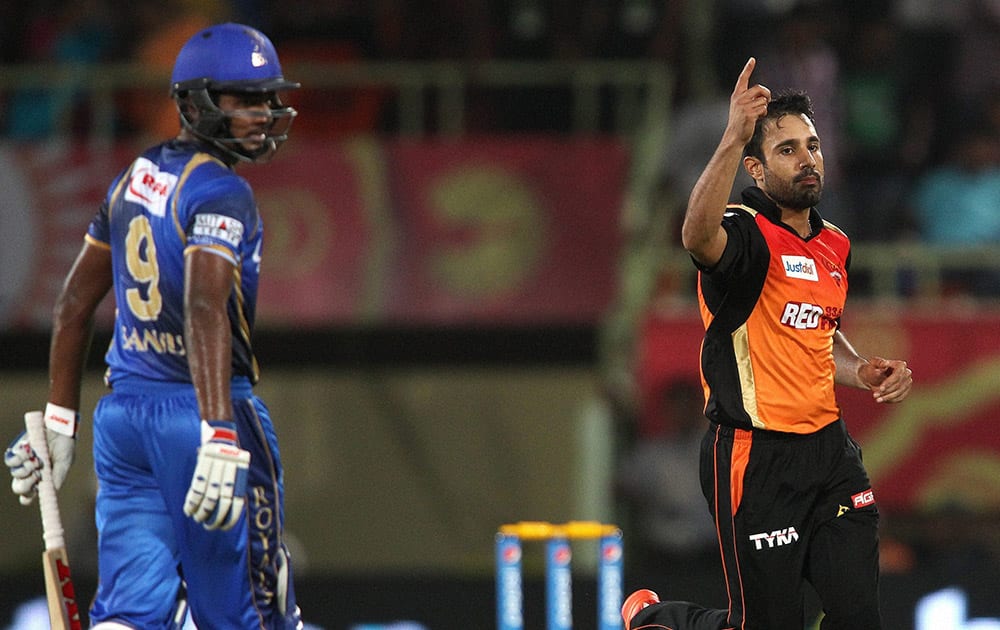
(791, 194)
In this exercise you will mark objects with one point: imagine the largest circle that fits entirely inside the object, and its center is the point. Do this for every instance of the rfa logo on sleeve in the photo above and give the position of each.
(150, 187)
(219, 227)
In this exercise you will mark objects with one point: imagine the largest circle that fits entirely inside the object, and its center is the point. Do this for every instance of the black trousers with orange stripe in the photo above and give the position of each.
(789, 509)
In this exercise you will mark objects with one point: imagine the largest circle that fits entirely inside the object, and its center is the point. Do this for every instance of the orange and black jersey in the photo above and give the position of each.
(770, 307)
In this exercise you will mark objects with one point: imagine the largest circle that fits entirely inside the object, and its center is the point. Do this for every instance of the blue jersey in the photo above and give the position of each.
(173, 198)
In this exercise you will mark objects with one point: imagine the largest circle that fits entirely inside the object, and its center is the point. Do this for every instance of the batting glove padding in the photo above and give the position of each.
(25, 466)
(218, 487)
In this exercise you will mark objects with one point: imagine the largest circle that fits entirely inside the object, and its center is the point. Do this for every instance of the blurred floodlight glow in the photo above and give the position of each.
(946, 610)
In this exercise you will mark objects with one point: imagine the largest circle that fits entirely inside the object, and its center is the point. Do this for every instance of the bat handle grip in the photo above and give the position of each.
(52, 530)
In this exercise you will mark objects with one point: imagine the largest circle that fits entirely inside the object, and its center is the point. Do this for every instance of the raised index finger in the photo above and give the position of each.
(743, 82)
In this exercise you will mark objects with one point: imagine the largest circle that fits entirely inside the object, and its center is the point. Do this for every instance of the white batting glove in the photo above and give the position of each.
(25, 466)
(219, 484)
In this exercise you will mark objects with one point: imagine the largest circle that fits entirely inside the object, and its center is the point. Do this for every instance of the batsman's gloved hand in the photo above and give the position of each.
(219, 484)
(24, 464)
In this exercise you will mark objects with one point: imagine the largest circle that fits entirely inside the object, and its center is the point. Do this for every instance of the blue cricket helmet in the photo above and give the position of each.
(229, 57)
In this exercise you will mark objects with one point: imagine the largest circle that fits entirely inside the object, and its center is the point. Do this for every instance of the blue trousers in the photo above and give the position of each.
(146, 438)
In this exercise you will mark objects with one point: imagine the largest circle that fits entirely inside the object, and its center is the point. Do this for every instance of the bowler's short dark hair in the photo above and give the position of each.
(785, 103)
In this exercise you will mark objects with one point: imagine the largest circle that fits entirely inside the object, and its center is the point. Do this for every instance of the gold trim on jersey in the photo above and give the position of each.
(244, 324)
(197, 160)
(748, 387)
(834, 228)
(113, 199)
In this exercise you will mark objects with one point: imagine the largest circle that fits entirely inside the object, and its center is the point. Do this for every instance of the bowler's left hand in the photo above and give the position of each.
(889, 380)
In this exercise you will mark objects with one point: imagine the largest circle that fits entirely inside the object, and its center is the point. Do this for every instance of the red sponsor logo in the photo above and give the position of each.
(863, 498)
(145, 186)
(57, 420)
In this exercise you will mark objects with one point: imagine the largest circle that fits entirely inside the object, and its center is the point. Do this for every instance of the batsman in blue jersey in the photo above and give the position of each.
(190, 485)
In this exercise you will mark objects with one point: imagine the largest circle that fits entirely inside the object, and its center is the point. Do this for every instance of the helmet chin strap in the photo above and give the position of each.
(210, 124)
(231, 155)
(236, 148)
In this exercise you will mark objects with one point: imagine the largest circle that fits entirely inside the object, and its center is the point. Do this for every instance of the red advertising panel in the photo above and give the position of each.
(941, 447)
(51, 192)
(365, 231)
(937, 449)
(322, 208)
(507, 231)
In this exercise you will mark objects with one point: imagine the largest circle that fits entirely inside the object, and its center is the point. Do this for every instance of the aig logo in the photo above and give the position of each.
(863, 498)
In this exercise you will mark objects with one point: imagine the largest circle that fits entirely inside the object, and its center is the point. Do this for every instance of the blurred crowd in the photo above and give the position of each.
(907, 92)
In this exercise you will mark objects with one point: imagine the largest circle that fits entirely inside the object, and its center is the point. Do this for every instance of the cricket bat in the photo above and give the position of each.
(63, 611)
